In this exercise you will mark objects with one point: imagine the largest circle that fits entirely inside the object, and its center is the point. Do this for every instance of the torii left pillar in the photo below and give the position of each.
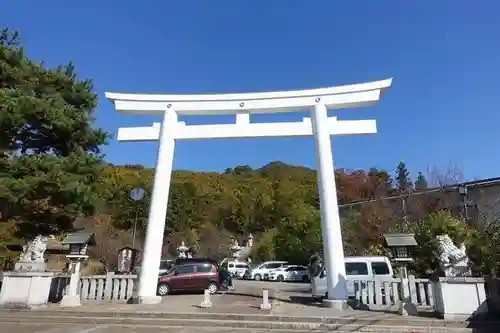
(157, 211)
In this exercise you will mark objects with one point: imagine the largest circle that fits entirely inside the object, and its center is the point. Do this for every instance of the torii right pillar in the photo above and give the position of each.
(330, 219)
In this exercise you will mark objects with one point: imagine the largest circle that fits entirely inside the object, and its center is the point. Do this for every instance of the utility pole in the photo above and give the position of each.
(136, 194)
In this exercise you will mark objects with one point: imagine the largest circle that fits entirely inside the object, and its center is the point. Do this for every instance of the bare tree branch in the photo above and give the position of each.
(443, 176)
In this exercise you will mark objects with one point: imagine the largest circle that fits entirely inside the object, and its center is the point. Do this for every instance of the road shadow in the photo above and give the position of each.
(484, 323)
(484, 326)
(303, 300)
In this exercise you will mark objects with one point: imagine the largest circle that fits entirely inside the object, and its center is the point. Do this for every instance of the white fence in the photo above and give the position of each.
(376, 294)
(109, 287)
(385, 294)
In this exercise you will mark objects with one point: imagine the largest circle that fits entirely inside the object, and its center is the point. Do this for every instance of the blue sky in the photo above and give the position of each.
(444, 56)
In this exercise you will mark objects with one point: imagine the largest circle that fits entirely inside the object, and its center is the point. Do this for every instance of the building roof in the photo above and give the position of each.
(80, 237)
(127, 247)
(392, 240)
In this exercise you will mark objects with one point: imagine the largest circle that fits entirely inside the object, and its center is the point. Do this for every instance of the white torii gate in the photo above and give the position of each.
(242, 105)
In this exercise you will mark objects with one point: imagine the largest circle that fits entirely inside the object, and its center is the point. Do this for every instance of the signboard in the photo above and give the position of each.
(137, 194)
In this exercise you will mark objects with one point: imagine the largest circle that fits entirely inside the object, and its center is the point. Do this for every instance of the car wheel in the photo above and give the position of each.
(257, 277)
(212, 288)
(280, 278)
(163, 289)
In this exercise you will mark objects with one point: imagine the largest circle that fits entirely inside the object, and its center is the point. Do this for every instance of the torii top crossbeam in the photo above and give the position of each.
(346, 96)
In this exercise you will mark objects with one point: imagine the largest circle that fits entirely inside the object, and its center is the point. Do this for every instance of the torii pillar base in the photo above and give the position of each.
(338, 305)
(70, 301)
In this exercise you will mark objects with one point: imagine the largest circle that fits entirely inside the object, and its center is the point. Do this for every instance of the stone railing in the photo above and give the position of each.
(387, 293)
(374, 293)
(109, 287)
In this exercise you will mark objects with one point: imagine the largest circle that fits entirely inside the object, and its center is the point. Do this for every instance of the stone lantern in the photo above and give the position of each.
(235, 249)
(401, 246)
(78, 244)
(181, 250)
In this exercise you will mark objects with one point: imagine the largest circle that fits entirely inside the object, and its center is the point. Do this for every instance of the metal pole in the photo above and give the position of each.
(135, 226)
(466, 203)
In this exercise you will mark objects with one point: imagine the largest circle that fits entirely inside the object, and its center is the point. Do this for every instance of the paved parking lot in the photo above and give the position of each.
(283, 290)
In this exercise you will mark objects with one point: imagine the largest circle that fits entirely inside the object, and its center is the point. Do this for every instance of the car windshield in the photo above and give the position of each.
(252, 265)
(170, 271)
(166, 265)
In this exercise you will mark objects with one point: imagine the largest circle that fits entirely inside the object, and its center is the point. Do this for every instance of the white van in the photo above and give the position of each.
(356, 268)
(261, 271)
(236, 268)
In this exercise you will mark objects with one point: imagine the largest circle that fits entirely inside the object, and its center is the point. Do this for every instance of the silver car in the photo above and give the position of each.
(290, 273)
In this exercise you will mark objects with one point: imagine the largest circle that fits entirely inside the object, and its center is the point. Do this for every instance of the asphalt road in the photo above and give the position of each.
(65, 328)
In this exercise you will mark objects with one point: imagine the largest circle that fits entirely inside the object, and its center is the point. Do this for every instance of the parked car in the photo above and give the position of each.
(181, 261)
(165, 266)
(190, 276)
(290, 273)
(261, 271)
(357, 268)
(236, 268)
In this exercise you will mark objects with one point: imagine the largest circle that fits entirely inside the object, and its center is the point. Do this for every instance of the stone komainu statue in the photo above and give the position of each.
(453, 260)
(34, 250)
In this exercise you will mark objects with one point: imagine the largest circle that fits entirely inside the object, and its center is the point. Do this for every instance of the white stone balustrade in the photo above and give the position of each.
(385, 294)
(108, 287)
(100, 288)
(371, 292)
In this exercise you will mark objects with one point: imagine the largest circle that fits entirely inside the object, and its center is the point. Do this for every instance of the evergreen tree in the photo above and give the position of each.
(403, 181)
(50, 160)
(420, 182)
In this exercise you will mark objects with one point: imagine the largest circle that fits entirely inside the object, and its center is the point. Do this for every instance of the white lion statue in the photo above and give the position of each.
(34, 250)
(453, 260)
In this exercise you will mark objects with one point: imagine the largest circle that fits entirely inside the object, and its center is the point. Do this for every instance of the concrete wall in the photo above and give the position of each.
(486, 200)
(482, 200)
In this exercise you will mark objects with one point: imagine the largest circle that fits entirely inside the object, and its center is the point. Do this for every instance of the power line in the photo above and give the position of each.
(389, 198)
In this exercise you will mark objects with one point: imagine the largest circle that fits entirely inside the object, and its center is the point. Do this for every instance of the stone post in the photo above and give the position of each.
(72, 297)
